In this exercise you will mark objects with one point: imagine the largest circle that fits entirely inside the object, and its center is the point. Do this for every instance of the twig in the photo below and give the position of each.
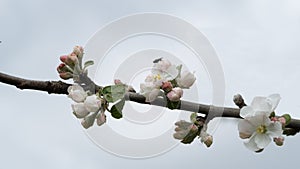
(59, 87)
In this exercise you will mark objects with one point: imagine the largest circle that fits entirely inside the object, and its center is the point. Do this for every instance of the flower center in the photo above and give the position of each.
(261, 129)
(157, 77)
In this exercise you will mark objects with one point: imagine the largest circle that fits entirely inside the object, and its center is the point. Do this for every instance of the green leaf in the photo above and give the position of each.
(193, 117)
(88, 63)
(272, 114)
(173, 105)
(116, 110)
(114, 93)
(287, 118)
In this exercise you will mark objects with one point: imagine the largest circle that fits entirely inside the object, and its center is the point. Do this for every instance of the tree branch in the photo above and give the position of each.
(59, 87)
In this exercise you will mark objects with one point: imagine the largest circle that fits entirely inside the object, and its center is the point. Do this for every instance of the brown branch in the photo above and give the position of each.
(59, 87)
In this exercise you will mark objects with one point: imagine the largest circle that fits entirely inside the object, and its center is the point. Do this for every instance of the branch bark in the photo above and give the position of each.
(59, 87)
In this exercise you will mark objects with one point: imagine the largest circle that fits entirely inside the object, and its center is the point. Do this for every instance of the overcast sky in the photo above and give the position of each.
(257, 44)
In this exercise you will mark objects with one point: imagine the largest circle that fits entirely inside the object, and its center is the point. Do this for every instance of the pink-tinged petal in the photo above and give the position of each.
(273, 101)
(246, 129)
(275, 129)
(251, 145)
(262, 140)
(246, 111)
(261, 104)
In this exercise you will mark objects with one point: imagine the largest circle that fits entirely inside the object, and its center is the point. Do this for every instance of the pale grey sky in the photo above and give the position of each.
(256, 41)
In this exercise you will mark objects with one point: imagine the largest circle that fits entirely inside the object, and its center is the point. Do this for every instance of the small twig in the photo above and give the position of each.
(59, 87)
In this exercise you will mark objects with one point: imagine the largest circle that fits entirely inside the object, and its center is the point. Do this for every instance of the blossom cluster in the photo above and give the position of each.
(166, 79)
(87, 107)
(188, 131)
(260, 125)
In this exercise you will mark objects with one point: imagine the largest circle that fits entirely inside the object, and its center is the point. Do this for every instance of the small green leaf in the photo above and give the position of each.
(173, 105)
(272, 114)
(114, 92)
(88, 63)
(287, 118)
(116, 110)
(193, 117)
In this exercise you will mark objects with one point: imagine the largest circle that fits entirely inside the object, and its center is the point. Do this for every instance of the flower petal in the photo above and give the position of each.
(246, 128)
(275, 129)
(251, 145)
(246, 111)
(261, 104)
(273, 101)
(262, 140)
(256, 120)
(79, 110)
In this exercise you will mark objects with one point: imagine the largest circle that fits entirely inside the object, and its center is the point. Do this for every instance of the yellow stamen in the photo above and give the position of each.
(261, 129)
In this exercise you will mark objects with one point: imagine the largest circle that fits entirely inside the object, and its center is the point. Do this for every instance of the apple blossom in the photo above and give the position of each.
(167, 86)
(92, 103)
(186, 80)
(79, 110)
(260, 105)
(175, 94)
(77, 93)
(259, 129)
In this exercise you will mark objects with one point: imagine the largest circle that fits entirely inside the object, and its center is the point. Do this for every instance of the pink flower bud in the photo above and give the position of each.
(167, 86)
(278, 141)
(65, 75)
(282, 120)
(63, 58)
(208, 141)
(175, 94)
(101, 119)
(78, 50)
(73, 58)
(117, 81)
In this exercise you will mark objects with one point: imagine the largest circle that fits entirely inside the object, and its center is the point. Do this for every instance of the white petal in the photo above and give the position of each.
(246, 111)
(246, 127)
(172, 72)
(251, 145)
(262, 140)
(273, 101)
(256, 120)
(275, 129)
(152, 95)
(92, 103)
(79, 110)
(261, 104)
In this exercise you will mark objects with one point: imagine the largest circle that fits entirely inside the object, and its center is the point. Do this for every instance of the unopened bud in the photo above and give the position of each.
(117, 82)
(101, 119)
(175, 94)
(65, 75)
(207, 140)
(78, 50)
(278, 141)
(167, 86)
(282, 120)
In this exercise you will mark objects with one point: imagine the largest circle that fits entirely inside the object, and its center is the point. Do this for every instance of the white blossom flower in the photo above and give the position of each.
(79, 110)
(92, 103)
(150, 91)
(175, 94)
(163, 70)
(186, 80)
(259, 105)
(260, 130)
(77, 93)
